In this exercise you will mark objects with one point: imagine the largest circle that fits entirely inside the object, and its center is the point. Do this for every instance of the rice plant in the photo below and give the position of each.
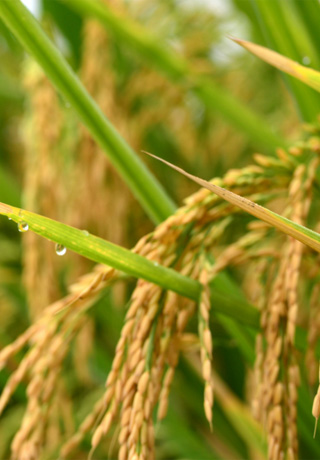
(134, 327)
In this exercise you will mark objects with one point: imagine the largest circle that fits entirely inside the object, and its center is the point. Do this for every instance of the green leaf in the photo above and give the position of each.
(222, 292)
(308, 76)
(102, 251)
(240, 417)
(150, 48)
(300, 233)
(148, 191)
(309, 13)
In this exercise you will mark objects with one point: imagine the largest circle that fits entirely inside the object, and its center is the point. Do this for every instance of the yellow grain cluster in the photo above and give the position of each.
(206, 343)
(49, 339)
(311, 361)
(148, 349)
(277, 370)
(154, 331)
(316, 407)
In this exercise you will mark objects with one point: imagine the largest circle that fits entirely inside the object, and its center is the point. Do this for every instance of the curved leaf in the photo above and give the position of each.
(300, 233)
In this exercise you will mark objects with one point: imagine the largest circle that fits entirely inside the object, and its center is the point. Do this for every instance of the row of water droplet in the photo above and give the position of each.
(60, 248)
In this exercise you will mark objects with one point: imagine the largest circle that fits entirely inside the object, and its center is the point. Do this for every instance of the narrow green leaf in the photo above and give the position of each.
(240, 336)
(104, 252)
(101, 251)
(224, 301)
(177, 69)
(299, 33)
(146, 188)
(308, 76)
(300, 233)
(309, 13)
(240, 417)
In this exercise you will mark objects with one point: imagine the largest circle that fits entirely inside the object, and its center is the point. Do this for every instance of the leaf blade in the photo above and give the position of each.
(299, 232)
(308, 76)
(102, 251)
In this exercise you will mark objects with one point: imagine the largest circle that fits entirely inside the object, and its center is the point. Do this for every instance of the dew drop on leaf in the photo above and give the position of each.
(23, 226)
(85, 232)
(60, 249)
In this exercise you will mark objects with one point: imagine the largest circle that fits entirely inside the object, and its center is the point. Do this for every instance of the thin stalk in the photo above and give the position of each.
(143, 184)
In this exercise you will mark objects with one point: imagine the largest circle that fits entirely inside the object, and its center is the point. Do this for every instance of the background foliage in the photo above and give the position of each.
(171, 83)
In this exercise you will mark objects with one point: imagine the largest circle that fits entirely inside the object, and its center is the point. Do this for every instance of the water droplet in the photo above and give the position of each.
(155, 264)
(85, 232)
(9, 218)
(306, 60)
(60, 249)
(23, 226)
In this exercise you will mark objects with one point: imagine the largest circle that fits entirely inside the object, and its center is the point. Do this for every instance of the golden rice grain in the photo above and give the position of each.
(150, 342)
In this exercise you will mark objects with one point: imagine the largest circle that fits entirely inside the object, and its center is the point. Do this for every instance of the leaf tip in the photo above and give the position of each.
(153, 156)
(235, 39)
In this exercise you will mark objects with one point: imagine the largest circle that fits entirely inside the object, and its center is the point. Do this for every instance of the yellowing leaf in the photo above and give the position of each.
(308, 76)
(300, 233)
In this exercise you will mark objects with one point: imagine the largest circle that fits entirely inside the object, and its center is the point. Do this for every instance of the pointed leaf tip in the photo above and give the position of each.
(235, 39)
(308, 76)
(303, 234)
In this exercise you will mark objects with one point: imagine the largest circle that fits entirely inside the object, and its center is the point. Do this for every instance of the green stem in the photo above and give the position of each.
(145, 187)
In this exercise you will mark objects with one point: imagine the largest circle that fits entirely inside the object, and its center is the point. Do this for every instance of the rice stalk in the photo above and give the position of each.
(278, 390)
(154, 330)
